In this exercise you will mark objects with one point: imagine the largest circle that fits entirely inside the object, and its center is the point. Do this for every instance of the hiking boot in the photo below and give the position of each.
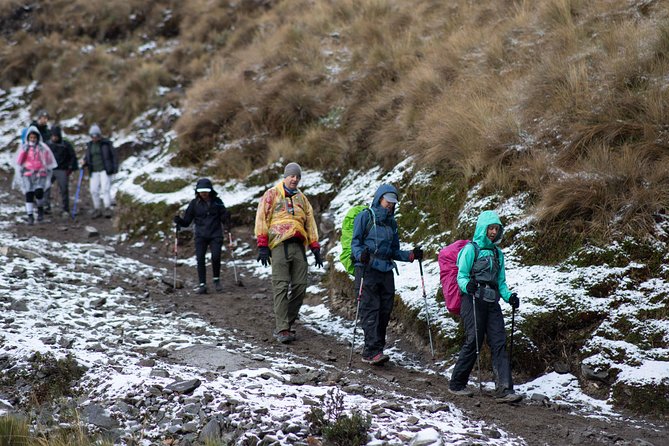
(217, 286)
(40, 214)
(30, 219)
(377, 359)
(47, 210)
(108, 213)
(202, 289)
(509, 398)
(461, 392)
(96, 213)
(284, 336)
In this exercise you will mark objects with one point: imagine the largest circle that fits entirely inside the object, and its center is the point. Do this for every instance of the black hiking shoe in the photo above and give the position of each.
(108, 213)
(30, 219)
(508, 398)
(96, 213)
(461, 392)
(40, 214)
(202, 289)
(217, 286)
(377, 359)
(284, 336)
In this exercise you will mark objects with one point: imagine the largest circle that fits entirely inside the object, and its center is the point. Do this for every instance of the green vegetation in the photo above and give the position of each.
(16, 432)
(336, 427)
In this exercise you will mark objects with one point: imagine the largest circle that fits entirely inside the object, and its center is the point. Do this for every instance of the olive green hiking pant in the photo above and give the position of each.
(289, 273)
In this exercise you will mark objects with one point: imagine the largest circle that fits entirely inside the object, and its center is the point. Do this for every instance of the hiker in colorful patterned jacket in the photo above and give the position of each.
(376, 246)
(100, 158)
(210, 216)
(284, 227)
(483, 283)
(33, 166)
(67, 163)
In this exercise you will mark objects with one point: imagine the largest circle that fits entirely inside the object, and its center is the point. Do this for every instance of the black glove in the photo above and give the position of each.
(317, 255)
(264, 255)
(364, 257)
(514, 301)
(417, 253)
(472, 286)
(177, 221)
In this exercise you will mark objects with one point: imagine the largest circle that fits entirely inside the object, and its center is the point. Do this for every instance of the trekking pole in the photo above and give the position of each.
(357, 311)
(513, 323)
(76, 195)
(176, 250)
(234, 263)
(476, 334)
(427, 311)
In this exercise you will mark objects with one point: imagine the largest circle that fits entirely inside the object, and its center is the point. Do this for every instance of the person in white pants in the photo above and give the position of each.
(101, 161)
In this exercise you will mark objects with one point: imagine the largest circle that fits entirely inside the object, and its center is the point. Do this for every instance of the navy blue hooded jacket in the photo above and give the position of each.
(382, 239)
(208, 215)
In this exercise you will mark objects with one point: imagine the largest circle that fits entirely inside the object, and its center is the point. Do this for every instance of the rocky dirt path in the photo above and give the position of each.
(247, 311)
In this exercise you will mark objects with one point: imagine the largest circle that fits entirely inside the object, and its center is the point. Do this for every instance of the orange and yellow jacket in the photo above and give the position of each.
(280, 217)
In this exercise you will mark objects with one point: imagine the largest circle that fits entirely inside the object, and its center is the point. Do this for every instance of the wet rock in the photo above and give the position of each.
(211, 431)
(97, 416)
(19, 305)
(426, 437)
(590, 374)
(561, 368)
(184, 387)
(98, 303)
(146, 362)
(91, 232)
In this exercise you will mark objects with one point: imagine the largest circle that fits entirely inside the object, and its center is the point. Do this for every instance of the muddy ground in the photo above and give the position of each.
(248, 310)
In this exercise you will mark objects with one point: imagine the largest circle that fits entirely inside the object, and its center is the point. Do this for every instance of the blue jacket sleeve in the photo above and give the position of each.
(398, 254)
(465, 262)
(358, 241)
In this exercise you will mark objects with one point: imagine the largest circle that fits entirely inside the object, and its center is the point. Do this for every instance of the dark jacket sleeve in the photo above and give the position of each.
(226, 218)
(73, 163)
(189, 215)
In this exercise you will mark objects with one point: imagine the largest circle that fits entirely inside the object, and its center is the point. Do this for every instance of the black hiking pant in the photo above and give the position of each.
(201, 245)
(490, 325)
(378, 295)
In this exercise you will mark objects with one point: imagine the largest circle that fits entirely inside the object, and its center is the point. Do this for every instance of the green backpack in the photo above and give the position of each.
(347, 235)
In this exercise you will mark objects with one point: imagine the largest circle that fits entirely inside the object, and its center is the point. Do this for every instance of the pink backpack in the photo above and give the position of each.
(448, 274)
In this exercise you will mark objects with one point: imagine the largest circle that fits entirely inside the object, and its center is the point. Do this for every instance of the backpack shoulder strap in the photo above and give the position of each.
(476, 250)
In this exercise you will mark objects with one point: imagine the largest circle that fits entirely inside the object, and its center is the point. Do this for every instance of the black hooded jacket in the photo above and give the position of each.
(209, 216)
(62, 151)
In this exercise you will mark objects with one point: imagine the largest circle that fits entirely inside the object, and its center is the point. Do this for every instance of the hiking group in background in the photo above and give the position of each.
(47, 158)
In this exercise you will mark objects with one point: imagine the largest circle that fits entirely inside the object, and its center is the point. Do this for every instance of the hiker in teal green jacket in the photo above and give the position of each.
(482, 280)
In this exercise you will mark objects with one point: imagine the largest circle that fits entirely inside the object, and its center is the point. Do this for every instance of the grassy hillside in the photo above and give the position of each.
(566, 99)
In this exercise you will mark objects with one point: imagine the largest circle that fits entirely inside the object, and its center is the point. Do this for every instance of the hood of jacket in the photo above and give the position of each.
(205, 183)
(57, 132)
(480, 234)
(35, 130)
(382, 214)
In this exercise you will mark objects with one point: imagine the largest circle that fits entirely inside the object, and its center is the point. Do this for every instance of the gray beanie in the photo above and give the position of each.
(95, 130)
(292, 169)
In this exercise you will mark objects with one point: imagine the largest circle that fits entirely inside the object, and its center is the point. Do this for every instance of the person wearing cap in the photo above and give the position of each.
(284, 228)
(67, 163)
(210, 215)
(41, 123)
(34, 163)
(375, 246)
(100, 158)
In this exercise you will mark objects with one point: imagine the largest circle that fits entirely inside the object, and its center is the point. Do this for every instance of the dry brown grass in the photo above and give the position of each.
(508, 93)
